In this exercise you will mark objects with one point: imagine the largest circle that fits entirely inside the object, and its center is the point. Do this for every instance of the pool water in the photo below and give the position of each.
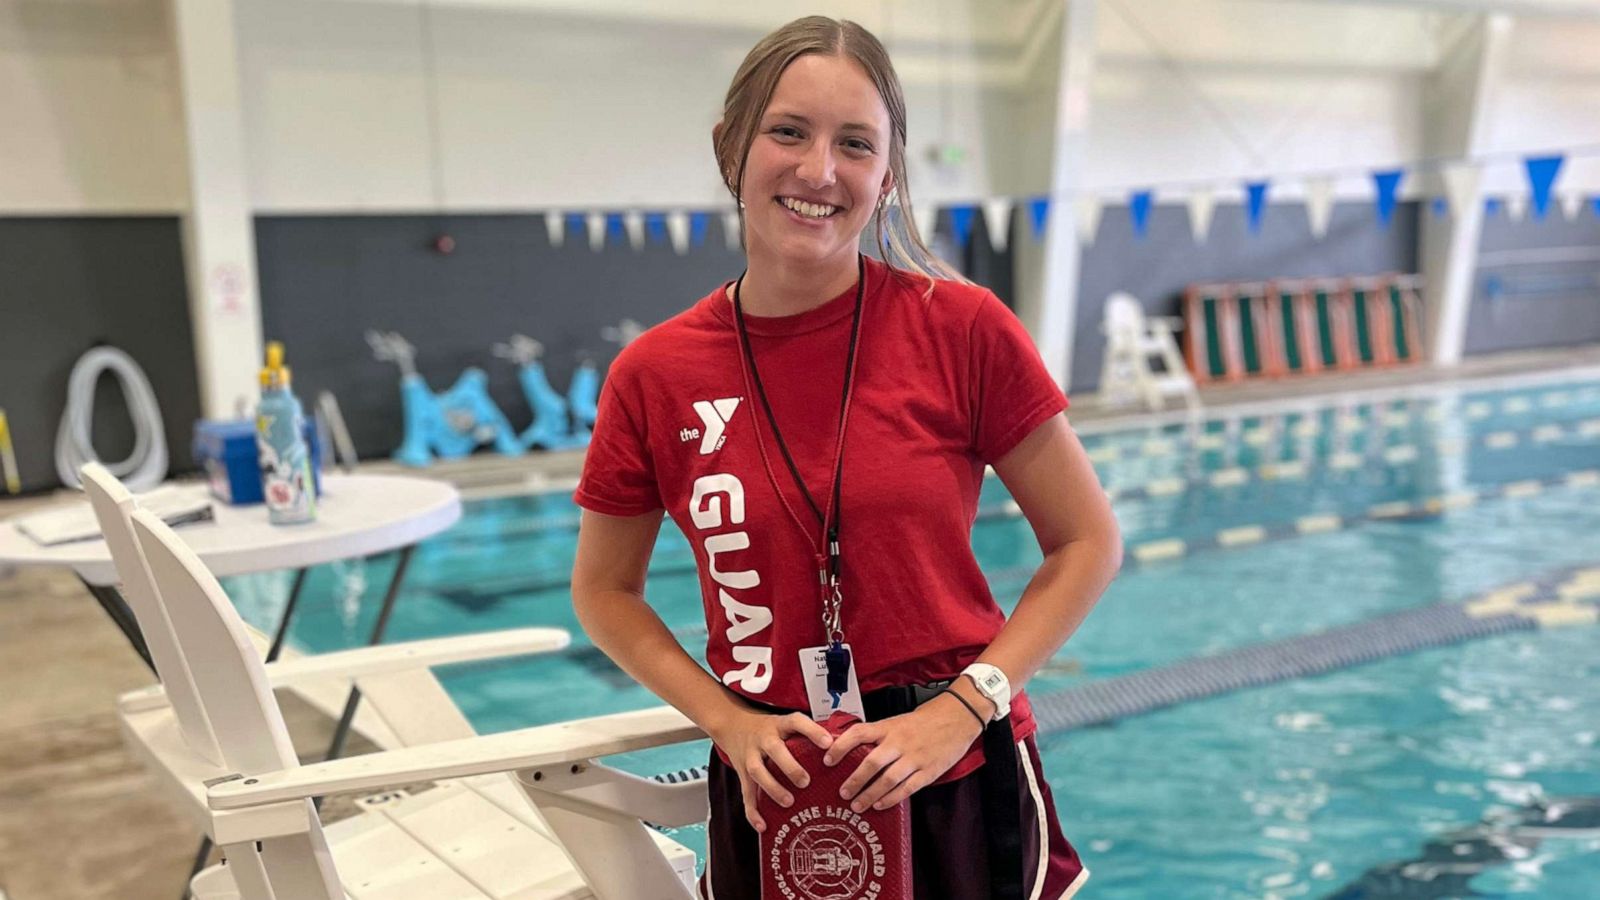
(1414, 776)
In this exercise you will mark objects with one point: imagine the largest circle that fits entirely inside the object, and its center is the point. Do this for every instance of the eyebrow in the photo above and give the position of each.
(848, 126)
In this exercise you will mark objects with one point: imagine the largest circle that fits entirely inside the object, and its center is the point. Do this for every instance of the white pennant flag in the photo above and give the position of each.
(997, 221)
(1571, 205)
(595, 223)
(555, 225)
(1089, 207)
(1319, 204)
(1517, 206)
(1461, 185)
(678, 230)
(926, 217)
(633, 221)
(1202, 203)
(730, 229)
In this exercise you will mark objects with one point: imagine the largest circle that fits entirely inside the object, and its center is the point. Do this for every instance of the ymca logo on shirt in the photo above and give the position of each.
(714, 415)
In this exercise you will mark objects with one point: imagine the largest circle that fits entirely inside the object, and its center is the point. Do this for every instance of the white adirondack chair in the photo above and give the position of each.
(1132, 341)
(563, 827)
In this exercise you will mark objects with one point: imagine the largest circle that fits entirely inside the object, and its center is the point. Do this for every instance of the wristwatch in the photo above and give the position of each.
(993, 685)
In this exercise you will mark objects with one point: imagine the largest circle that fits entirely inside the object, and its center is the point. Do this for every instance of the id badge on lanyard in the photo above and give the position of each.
(829, 671)
(824, 703)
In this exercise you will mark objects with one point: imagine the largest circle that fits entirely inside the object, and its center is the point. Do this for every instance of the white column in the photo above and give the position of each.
(218, 234)
(1458, 103)
(1047, 275)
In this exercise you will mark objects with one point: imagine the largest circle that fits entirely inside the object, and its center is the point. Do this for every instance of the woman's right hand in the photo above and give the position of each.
(750, 738)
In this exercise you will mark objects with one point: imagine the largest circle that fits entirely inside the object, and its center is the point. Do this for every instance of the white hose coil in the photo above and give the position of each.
(146, 466)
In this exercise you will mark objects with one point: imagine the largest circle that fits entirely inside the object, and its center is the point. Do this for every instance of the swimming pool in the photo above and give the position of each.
(1421, 775)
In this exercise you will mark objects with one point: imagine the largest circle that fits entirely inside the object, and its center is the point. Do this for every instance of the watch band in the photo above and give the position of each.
(993, 685)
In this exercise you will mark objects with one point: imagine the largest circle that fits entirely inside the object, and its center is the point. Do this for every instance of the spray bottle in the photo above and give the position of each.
(286, 478)
(8, 457)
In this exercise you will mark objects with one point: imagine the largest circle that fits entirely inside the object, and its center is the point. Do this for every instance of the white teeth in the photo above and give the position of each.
(810, 210)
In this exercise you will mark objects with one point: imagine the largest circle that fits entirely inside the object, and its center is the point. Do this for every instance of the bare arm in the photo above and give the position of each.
(1051, 478)
(608, 582)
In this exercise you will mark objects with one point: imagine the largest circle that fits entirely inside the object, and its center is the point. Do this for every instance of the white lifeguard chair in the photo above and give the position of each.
(1132, 341)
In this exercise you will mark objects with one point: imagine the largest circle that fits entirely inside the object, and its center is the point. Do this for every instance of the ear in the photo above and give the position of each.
(888, 185)
(716, 139)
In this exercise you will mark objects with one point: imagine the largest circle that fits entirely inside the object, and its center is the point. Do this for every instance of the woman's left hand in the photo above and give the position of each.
(912, 751)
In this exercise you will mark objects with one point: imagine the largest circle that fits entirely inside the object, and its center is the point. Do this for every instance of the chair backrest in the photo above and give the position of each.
(113, 505)
(1124, 316)
(236, 700)
(235, 696)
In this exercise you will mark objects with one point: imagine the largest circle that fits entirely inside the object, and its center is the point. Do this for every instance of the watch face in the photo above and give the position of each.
(993, 681)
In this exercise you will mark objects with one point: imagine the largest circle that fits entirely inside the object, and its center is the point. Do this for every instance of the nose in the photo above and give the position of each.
(816, 167)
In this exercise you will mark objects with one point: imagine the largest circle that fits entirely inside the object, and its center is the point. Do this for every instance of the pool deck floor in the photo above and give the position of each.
(79, 820)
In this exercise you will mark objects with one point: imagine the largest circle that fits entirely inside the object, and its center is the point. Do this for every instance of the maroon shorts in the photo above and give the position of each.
(949, 839)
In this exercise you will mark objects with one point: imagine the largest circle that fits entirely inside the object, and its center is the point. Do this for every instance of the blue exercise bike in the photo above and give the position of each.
(447, 425)
(560, 423)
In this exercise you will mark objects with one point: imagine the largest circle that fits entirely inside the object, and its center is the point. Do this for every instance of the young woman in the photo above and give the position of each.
(819, 429)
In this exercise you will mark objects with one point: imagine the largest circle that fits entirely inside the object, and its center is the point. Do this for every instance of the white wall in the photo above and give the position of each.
(89, 113)
(1550, 99)
(1222, 92)
(534, 111)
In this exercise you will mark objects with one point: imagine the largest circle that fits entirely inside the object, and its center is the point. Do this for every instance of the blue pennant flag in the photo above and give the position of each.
(1492, 206)
(1388, 184)
(1440, 207)
(961, 223)
(1256, 196)
(698, 222)
(1139, 211)
(576, 222)
(655, 227)
(614, 226)
(1039, 214)
(1542, 171)
(1594, 203)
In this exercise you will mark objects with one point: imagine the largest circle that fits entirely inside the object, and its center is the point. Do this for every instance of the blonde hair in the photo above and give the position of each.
(898, 240)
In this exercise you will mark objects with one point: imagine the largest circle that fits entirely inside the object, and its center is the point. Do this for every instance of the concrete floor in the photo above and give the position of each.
(78, 819)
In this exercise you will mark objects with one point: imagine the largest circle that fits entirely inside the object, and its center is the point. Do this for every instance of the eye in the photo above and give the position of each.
(858, 145)
(786, 132)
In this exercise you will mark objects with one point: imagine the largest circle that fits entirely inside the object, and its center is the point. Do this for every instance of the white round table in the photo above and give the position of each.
(357, 515)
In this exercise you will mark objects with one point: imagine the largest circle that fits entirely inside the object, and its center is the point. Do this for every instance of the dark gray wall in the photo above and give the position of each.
(1158, 267)
(325, 280)
(66, 283)
(1537, 283)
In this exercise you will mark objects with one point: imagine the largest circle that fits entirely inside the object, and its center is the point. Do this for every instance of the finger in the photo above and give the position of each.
(853, 737)
(788, 765)
(747, 791)
(887, 781)
(764, 779)
(869, 768)
(918, 780)
(799, 723)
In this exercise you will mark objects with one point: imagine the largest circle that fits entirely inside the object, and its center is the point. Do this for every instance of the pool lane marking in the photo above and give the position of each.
(1253, 534)
(1343, 461)
(1523, 607)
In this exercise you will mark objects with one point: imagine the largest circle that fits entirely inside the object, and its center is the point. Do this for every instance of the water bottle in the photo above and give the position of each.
(286, 478)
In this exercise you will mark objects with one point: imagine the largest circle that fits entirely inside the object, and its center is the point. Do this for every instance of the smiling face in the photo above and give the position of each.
(818, 164)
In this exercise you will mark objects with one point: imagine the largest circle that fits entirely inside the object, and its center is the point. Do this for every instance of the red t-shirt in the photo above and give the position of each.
(944, 384)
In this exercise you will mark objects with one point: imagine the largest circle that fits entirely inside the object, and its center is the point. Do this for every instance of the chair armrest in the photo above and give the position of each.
(387, 658)
(560, 744)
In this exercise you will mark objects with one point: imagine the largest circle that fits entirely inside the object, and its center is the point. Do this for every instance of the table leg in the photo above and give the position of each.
(288, 613)
(336, 748)
(110, 600)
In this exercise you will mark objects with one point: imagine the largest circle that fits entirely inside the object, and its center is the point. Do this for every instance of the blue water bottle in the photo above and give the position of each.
(286, 479)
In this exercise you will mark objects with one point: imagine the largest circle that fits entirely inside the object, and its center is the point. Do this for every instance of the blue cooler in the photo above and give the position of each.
(227, 453)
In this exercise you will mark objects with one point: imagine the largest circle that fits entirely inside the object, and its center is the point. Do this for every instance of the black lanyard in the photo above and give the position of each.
(838, 659)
